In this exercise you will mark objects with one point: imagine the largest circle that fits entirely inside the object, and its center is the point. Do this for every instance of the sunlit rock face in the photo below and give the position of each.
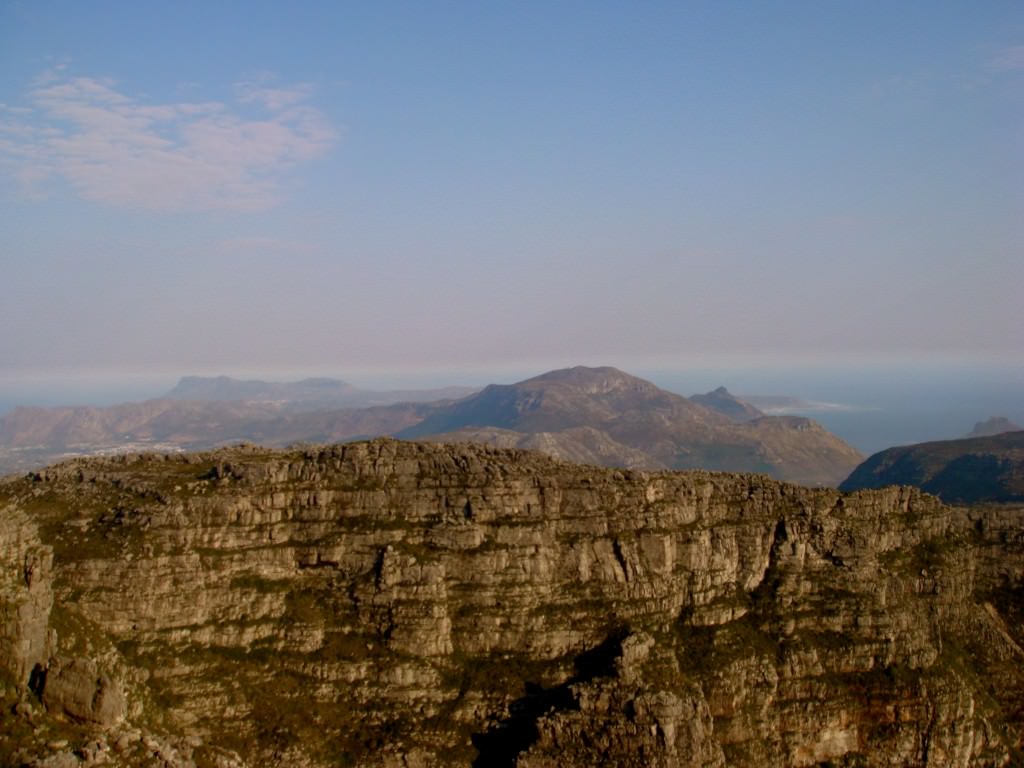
(391, 603)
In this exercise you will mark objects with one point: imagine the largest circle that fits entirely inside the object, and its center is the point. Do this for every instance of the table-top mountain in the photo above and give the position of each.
(995, 425)
(403, 604)
(307, 394)
(967, 471)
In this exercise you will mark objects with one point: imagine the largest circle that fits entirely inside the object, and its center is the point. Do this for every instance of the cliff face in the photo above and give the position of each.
(391, 603)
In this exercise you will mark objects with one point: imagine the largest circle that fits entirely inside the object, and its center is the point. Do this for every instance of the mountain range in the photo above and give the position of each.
(307, 394)
(599, 416)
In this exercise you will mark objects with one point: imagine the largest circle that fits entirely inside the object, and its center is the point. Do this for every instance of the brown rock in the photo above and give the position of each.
(76, 688)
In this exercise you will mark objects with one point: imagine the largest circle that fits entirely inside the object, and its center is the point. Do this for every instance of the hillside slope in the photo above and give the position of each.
(964, 471)
(635, 424)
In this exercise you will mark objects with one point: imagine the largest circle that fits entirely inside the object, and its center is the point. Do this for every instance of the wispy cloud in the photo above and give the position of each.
(1008, 60)
(114, 148)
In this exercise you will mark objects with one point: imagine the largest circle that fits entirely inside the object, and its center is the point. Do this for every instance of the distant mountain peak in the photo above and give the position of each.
(607, 416)
(603, 378)
(722, 401)
(996, 425)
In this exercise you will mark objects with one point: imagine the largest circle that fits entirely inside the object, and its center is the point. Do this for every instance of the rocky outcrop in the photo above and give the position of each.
(76, 688)
(391, 603)
(26, 593)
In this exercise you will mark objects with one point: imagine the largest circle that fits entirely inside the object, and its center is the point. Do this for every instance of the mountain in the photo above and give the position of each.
(595, 415)
(996, 425)
(400, 604)
(227, 388)
(206, 412)
(615, 419)
(968, 471)
(34, 437)
(318, 393)
(563, 399)
(722, 401)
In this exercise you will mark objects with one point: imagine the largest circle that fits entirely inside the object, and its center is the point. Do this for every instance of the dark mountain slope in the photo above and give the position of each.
(958, 471)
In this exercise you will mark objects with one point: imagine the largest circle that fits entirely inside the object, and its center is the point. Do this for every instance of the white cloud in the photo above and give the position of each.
(113, 148)
(1008, 60)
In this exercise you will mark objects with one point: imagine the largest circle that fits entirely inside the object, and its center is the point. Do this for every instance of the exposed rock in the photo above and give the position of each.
(26, 594)
(391, 603)
(58, 760)
(76, 688)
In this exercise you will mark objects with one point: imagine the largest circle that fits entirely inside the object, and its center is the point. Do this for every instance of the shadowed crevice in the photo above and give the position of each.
(500, 746)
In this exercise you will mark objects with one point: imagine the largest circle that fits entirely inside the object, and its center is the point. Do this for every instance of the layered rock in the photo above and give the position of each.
(26, 593)
(391, 603)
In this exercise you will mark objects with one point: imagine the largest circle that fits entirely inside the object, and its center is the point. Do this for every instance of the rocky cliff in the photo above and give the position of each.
(402, 604)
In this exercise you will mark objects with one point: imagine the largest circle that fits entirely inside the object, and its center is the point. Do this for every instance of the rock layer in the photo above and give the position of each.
(390, 603)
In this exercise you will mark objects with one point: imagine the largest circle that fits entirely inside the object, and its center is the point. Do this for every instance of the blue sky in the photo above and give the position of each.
(368, 188)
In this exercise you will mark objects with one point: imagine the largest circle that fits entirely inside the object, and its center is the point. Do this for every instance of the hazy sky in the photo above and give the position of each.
(345, 187)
